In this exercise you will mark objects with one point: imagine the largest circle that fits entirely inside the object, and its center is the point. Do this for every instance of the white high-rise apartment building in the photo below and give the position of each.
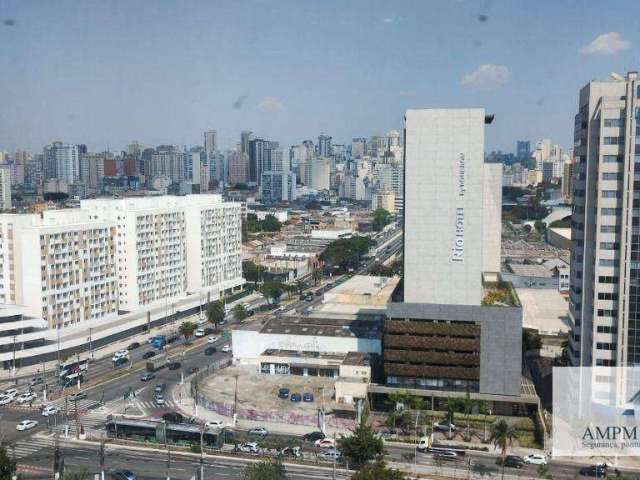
(62, 162)
(167, 247)
(60, 265)
(5, 188)
(605, 258)
(452, 202)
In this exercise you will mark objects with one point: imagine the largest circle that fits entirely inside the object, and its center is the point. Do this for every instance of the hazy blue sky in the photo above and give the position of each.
(107, 72)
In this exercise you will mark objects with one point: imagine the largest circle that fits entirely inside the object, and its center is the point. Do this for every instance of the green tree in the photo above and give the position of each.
(79, 475)
(346, 253)
(271, 469)
(399, 419)
(467, 406)
(273, 291)
(502, 435)
(378, 471)
(252, 272)
(316, 275)
(215, 313)
(239, 312)
(381, 218)
(362, 445)
(271, 224)
(300, 287)
(7, 466)
(380, 270)
(186, 329)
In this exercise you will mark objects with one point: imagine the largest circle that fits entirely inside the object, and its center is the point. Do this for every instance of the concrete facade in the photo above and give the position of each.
(451, 204)
(500, 338)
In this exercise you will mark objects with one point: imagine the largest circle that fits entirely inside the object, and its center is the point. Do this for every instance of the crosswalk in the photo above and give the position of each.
(27, 448)
(83, 405)
(147, 405)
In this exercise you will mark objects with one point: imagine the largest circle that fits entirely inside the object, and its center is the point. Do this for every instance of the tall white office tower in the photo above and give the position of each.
(452, 203)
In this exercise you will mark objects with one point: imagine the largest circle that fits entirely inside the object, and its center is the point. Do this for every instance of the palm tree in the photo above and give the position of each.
(300, 287)
(187, 329)
(502, 435)
(483, 409)
(467, 406)
(316, 275)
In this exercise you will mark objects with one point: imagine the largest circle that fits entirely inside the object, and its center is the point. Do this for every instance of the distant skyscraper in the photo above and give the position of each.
(278, 186)
(210, 141)
(62, 162)
(358, 147)
(238, 165)
(324, 145)
(245, 138)
(258, 157)
(5, 188)
(523, 150)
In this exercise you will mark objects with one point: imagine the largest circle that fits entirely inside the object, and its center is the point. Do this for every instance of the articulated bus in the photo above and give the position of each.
(174, 433)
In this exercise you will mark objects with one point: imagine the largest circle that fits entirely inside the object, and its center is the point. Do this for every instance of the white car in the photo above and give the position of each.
(213, 339)
(159, 399)
(226, 349)
(325, 443)
(536, 459)
(6, 399)
(26, 397)
(121, 353)
(214, 424)
(249, 447)
(50, 410)
(26, 425)
(199, 332)
(12, 392)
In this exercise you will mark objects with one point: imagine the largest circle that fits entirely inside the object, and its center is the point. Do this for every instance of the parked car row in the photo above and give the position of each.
(284, 393)
(12, 394)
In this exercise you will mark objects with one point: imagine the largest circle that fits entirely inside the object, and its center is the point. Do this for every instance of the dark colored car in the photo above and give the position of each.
(173, 417)
(313, 436)
(120, 361)
(77, 396)
(318, 293)
(210, 350)
(283, 393)
(133, 346)
(209, 330)
(174, 365)
(512, 461)
(594, 471)
(72, 382)
(36, 381)
(149, 354)
(145, 377)
(296, 397)
(307, 397)
(122, 475)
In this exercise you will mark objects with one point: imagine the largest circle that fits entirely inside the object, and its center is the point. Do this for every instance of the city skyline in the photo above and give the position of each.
(91, 73)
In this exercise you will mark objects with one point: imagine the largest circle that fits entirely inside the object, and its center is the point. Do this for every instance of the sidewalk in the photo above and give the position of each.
(108, 350)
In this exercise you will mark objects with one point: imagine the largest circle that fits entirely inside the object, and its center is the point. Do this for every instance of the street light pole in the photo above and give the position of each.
(14, 360)
(415, 453)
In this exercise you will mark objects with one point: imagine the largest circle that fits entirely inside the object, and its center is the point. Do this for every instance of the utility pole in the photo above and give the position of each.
(14, 357)
(415, 453)
(75, 401)
(102, 460)
(202, 452)
(91, 341)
